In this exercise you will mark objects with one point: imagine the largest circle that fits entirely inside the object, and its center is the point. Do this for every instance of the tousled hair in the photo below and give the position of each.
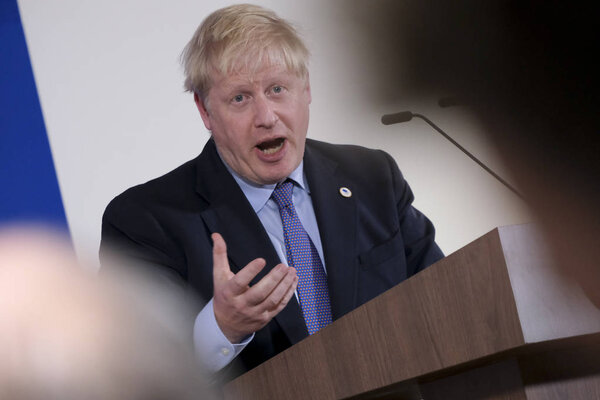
(241, 37)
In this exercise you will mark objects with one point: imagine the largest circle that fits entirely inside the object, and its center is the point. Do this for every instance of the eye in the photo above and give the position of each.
(277, 89)
(239, 99)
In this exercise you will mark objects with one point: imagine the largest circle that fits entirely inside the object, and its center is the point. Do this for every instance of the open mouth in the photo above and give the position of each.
(271, 146)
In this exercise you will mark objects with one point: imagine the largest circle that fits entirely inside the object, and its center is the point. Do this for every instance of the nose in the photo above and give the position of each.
(265, 116)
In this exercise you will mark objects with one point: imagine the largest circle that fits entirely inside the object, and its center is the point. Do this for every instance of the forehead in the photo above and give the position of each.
(263, 75)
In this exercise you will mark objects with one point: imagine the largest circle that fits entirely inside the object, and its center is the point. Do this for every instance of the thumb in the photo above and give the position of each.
(221, 270)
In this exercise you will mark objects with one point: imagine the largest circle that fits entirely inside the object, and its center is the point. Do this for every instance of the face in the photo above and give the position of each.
(258, 121)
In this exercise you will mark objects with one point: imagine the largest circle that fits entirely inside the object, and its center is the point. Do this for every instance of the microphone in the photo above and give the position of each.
(405, 116)
(397, 118)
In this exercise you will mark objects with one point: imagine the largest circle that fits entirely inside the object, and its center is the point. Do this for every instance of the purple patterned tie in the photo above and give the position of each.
(302, 255)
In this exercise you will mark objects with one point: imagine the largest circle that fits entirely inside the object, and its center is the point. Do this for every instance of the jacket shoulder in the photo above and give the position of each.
(176, 183)
(355, 160)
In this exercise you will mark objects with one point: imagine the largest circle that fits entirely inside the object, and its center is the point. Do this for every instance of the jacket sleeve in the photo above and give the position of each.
(132, 237)
(417, 230)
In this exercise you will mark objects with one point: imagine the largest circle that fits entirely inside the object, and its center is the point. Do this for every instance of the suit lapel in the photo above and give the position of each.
(230, 214)
(336, 216)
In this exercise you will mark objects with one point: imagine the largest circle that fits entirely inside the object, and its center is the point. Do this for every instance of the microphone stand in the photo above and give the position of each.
(406, 116)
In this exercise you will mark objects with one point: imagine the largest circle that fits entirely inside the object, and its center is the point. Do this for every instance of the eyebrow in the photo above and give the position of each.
(245, 85)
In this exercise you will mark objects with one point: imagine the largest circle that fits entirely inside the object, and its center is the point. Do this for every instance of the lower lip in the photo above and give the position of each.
(273, 157)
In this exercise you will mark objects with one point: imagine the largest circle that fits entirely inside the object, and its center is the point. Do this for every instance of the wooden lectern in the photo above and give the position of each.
(493, 320)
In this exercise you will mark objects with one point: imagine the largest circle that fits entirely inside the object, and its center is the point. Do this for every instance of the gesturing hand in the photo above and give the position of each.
(240, 309)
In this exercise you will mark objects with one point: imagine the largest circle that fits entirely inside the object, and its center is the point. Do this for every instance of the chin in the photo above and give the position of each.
(273, 178)
(275, 173)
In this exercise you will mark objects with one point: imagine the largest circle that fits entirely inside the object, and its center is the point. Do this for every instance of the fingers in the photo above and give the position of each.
(221, 270)
(240, 281)
(288, 295)
(282, 293)
(239, 308)
(279, 278)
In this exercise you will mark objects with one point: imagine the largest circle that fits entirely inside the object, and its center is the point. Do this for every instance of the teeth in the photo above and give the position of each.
(272, 150)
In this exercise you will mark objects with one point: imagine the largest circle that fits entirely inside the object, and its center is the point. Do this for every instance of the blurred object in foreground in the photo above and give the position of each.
(529, 73)
(66, 334)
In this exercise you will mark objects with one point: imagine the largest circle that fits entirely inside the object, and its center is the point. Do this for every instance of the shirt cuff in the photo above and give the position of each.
(212, 347)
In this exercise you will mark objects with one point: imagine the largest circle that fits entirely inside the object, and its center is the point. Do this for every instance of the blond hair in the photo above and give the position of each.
(241, 37)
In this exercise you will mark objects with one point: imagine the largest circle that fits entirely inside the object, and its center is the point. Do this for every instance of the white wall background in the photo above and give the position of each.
(110, 85)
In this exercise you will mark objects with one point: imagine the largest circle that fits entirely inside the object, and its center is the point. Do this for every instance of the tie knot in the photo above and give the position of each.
(283, 193)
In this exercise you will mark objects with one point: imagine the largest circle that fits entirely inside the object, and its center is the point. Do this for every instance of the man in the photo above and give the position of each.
(313, 230)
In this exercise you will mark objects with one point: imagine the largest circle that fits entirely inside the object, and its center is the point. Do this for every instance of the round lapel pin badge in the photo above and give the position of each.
(344, 191)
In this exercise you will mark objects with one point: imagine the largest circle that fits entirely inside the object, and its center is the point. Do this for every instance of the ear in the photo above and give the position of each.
(203, 110)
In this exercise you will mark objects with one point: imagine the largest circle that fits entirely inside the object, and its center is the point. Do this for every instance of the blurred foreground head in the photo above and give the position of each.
(527, 70)
(65, 334)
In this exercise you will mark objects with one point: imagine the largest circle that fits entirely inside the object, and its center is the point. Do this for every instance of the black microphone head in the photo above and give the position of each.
(397, 118)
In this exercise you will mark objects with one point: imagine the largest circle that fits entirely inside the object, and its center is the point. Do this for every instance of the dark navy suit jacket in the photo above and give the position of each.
(371, 240)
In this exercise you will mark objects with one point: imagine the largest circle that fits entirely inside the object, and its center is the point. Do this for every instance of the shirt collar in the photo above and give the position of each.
(258, 195)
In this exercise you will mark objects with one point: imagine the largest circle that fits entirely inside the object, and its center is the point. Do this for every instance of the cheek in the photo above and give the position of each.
(235, 135)
(301, 120)
(225, 127)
